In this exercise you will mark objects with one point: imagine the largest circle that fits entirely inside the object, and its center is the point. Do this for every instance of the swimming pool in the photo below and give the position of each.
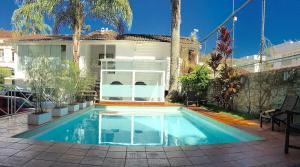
(164, 126)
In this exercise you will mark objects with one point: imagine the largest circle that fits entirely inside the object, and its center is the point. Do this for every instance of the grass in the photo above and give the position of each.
(236, 114)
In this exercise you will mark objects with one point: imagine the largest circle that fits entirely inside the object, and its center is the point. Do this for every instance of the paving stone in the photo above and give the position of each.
(37, 148)
(49, 156)
(113, 162)
(18, 146)
(29, 154)
(136, 162)
(70, 159)
(63, 164)
(92, 161)
(117, 148)
(175, 154)
(38, 163)
(158, 162)
(103, 148)
(194, 153)
(75, 151)
(153, 155)
(172, 148)
(115, 154)
(154, 148)
(82, 146)
(96, 153)
(8, 152)
(136, 155)
(58, 149)
(15, 161)
(179, 162)
(200, 160)
(136, 148)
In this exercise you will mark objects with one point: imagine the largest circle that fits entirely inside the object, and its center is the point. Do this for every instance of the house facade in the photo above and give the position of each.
(130, 67)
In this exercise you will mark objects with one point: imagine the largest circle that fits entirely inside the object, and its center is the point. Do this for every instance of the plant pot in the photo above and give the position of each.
(89, 103)
(82, 105)
(48, 106)
(38, 119)
(73, 107)
(59, 112)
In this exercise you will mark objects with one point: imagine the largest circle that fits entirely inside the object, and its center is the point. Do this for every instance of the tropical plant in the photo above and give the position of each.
(197, 80)
(72, 13)
(76, 81)
(40, 78)
(4, 72)
(175, 47)
(227, 84)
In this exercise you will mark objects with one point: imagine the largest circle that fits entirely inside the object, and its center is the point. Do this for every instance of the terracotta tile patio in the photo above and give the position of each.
(31, 153)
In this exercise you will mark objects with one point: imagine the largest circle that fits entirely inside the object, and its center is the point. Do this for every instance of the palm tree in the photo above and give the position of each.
(175, 47)
(73, 13)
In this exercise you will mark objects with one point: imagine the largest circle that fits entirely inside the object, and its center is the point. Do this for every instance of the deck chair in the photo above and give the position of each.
(191, 97)
(140, 98)
(291, 127)
(267, 115)
(116, 98)
(281, 117)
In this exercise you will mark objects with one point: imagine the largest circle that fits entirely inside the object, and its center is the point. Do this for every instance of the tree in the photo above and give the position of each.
(197, 80)
(73, 13)
(175, 47)
(227, 84)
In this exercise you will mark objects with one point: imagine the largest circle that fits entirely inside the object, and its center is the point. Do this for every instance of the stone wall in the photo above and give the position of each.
(274, 86)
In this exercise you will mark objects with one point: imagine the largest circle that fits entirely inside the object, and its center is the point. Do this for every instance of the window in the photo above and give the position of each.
(107, 52)
(1, 54)
(13, 56)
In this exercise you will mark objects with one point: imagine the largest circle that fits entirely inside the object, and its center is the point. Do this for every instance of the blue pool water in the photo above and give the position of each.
(167, 126)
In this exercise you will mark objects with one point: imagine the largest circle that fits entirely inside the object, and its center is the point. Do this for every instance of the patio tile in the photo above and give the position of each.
(136, 155)
(37, 163)
(92, 161)
(114, 154)
(136, 148)
(194, 153)
(136, 162)
(154, 148)
(111, 162)
(185, 148)
(37, 148)
(48, 156)
(179, 162)
(18, 146)
(63, 164)
(81, 146)
(117, 148)
(96, 153)
(103, 148)
(175, 154)
(200, 160)
(70, 159)
(75, 151)
(15, 161)
(58, 149)
(8, 152)
(29, 154)
(4, 144)
(153, 155)
(158, 162)
(172, 148)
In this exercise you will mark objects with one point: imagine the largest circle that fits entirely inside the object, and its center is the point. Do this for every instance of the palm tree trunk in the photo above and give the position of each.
(76, 43)
(175, 47)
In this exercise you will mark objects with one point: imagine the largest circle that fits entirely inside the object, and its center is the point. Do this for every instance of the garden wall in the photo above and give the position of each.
(274, 86)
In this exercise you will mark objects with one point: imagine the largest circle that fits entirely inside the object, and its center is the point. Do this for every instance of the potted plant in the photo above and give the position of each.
(59, 94)
(85, 85)
(39, 77)
(71, 73)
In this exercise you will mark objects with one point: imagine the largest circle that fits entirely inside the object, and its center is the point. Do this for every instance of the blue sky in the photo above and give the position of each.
(153, 17)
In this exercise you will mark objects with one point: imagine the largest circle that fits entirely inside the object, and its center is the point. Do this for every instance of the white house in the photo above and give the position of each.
(129, 67)
(7, 52)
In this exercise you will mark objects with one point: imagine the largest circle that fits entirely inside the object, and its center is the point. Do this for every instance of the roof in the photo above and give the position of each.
(5, 34)
(104, 35)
